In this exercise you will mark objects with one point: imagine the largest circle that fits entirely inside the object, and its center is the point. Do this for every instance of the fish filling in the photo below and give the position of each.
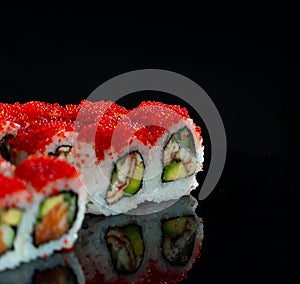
(126, 247)
(179, 156)
(9, 220)
(56, 216)
(127, 177)
(178, 239)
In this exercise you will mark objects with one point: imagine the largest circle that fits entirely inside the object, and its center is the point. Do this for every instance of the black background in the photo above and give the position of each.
(247, 66)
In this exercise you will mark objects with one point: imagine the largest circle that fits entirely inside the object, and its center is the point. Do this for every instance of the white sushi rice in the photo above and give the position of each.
(96, 176)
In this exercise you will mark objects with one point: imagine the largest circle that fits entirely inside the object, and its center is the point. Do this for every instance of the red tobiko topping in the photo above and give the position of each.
(117, 127)
(39, 133)
(92, 112)
(155, 114)
(12, 192)
(39, 171)
(109, 132)
(39, 110)
(178, 109)
(150, 134)
(13, 112)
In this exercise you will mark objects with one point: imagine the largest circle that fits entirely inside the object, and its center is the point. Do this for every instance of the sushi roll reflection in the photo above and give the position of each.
(153, 248)
(126, 247)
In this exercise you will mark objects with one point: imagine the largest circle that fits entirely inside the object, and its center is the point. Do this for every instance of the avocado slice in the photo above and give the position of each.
(176, 170)
(133, 233)
(11, 216)
(174, 227)
(8, 235)
(136, 180)
(49, 203)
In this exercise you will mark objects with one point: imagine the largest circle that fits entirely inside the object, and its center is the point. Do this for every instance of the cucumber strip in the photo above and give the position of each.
(71, 200)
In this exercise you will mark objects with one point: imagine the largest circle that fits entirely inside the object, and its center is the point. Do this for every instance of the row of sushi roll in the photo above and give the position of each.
(151, 153)
(42, 206)
(153, 248)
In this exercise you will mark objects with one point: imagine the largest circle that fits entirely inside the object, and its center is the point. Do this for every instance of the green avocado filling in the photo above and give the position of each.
(179, 156)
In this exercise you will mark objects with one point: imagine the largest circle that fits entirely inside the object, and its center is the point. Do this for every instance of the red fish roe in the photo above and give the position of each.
(13, 113)
(115, 132)
(38, 134)
(38, 110)
(92, 112)
(150, 134)
(160, 114)
(176, 108)
(39, 171)
(72, 111)
(13, 192)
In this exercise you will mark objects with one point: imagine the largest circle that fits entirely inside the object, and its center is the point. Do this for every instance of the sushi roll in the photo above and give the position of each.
(135, 249)
(59, 204)
(149, 154)
(15, 205)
